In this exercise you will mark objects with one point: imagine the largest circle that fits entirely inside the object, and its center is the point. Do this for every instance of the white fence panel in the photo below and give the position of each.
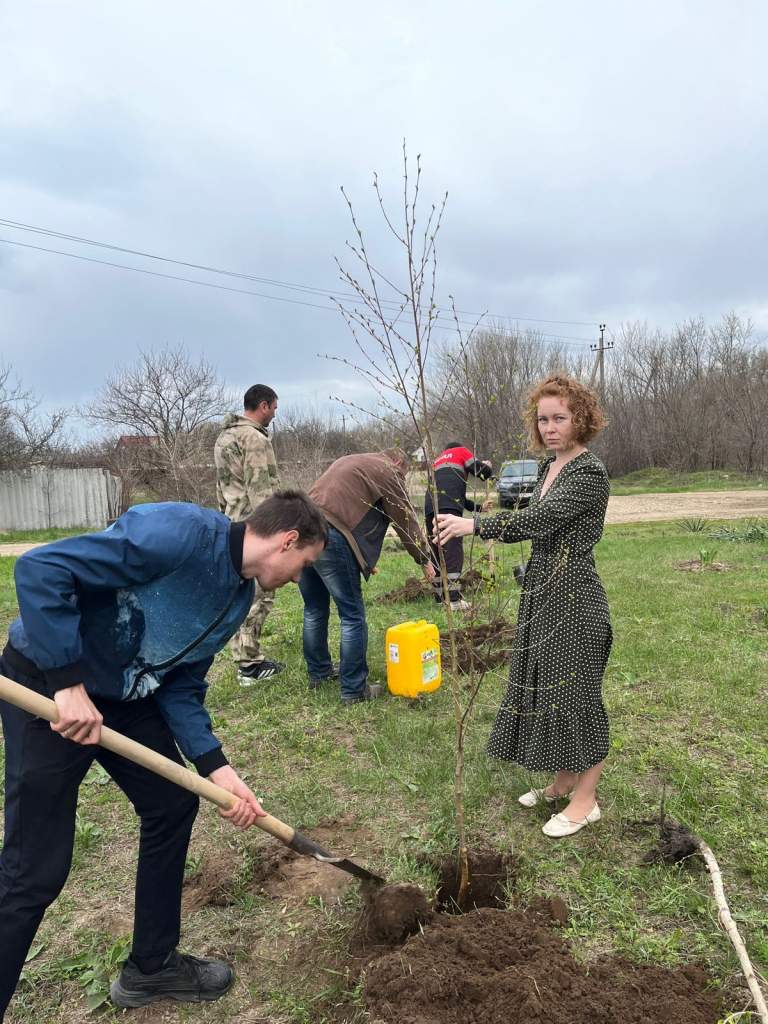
(37, 499)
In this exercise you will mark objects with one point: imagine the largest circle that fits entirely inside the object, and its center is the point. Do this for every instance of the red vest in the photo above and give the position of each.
(456, 457)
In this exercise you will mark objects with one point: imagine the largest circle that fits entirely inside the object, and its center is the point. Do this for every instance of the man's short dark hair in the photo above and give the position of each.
(289, 510)
(399, 456)
(256, 394)
(453, 444)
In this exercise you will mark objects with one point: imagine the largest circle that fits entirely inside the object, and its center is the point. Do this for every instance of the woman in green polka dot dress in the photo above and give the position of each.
(553, 717)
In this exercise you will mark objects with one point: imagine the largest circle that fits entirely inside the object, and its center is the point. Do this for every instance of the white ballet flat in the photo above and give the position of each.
(560, 826)
(535, 796)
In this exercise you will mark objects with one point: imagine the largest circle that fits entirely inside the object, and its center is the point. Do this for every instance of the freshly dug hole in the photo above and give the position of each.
(489, 874)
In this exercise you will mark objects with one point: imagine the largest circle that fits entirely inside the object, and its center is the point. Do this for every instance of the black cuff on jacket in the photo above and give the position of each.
(210, 761)
(61, 678)
(236, 542)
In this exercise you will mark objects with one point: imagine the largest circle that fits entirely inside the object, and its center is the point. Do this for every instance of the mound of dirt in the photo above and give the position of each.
(481, 646)
(489, 874)
(552, 909)
(393, 912)
(413, 589)
(505, 967)
(472, 579)
(416, 589)
(696, 565)
(676, 843)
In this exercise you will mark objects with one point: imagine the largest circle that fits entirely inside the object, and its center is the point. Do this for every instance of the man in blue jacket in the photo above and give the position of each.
(120, 628)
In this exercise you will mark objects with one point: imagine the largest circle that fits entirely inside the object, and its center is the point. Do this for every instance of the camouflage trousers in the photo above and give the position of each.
(245, 644)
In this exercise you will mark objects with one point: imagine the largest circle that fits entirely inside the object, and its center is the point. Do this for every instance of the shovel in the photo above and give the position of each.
(34, 703)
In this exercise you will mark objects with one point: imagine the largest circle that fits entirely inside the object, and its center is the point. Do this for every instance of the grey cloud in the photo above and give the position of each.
(90, 153)
(602, 161)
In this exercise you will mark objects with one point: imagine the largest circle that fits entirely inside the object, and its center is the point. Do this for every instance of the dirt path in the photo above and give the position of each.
(14, 550)
(646, 508)
(636, 508)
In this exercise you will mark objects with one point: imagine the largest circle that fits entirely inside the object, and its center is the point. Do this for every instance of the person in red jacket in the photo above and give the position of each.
(452, 468)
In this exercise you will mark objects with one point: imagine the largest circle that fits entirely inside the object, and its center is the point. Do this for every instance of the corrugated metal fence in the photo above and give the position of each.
(37, 499)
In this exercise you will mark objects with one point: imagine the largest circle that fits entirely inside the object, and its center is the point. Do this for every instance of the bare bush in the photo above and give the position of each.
(168, 407)
(306, 442)
(27, 436)
(695, 398)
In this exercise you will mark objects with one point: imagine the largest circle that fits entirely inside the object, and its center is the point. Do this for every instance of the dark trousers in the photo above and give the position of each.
(43, 772)
(453, 553)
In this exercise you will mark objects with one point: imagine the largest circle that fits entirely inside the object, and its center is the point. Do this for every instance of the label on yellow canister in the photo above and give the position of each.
(413, 658)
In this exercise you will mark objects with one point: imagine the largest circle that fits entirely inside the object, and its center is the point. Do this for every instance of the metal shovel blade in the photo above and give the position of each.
(309, 848)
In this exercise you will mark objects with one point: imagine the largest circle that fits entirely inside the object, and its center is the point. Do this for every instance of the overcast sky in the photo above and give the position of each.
(605, 161)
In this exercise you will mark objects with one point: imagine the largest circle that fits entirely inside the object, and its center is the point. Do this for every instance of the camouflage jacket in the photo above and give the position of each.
(246, 470)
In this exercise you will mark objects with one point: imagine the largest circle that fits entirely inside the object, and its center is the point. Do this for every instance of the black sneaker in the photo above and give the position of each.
(315, 682)
(249, 673)
(188, 979)
(371, 692)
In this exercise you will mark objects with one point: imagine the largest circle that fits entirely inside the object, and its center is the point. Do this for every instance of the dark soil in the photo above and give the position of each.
(551, 909)
(489, 875)
(676, 843)
(393, 912)
(416, 589)
(481, 646)
(473, 579)
(504, 967)
(413, 589)
(214, 882)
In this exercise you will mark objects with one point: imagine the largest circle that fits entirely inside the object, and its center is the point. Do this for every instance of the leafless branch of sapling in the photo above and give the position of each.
(395, 346)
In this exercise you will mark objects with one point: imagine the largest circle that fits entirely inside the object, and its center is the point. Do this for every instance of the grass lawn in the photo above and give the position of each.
(39, 536)
(667, 481)
(687, 692)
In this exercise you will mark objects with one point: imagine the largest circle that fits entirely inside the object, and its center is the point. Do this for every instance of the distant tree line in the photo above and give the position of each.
(694, 398)
(690, 399)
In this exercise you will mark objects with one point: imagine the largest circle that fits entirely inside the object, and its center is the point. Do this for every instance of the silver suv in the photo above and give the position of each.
(516, 482)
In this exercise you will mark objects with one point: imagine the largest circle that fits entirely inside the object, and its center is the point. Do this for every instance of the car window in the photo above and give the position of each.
(526, 468)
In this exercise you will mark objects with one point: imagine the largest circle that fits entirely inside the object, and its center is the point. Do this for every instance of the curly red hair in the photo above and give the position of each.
(588, 418)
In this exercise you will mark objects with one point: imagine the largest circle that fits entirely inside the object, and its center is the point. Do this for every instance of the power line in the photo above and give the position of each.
(21, 226)
(450, 325)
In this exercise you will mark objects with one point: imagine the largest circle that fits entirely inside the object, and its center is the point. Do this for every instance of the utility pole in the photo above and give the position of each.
(601, 348)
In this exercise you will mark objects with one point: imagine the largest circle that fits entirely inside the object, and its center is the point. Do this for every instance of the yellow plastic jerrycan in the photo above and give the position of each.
(413, 658)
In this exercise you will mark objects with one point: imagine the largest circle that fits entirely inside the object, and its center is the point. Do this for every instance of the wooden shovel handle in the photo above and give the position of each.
(36, 704)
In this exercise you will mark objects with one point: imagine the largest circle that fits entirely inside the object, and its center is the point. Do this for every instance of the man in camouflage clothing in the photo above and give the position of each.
(246, 474)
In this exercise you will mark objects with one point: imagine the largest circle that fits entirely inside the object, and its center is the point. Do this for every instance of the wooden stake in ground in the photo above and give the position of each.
(491, 553)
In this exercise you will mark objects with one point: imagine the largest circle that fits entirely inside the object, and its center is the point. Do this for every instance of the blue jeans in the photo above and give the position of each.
(335, 574)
